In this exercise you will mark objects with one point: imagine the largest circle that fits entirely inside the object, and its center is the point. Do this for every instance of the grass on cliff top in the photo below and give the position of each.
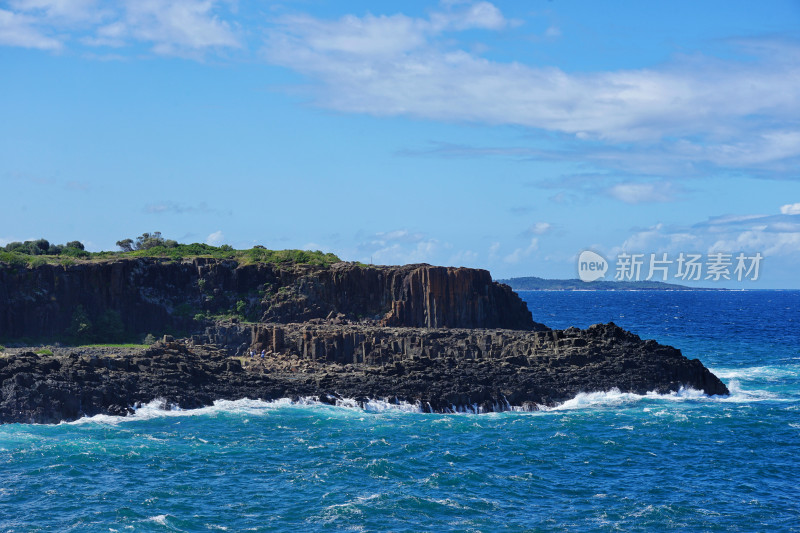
(106, 345)
(179, 252)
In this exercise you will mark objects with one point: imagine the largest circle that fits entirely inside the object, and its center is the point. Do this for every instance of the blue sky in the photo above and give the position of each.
(507, 135)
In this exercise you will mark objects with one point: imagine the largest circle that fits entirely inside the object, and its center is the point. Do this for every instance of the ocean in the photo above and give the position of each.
(604, 461)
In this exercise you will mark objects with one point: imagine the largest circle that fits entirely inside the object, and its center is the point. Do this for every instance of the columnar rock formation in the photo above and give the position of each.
(153, 296)
(440, 337)
(482, 370)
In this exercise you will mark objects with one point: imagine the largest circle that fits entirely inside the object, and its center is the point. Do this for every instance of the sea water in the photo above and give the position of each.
(604, 461)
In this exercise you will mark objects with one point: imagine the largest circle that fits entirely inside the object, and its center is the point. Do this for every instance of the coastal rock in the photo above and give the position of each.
(440, 370)
(159, 296)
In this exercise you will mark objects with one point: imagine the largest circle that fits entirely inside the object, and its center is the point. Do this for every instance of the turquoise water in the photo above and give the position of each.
(601, 462)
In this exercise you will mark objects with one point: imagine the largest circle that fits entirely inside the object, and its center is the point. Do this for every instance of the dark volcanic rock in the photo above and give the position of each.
(487, 369)
(157, 295)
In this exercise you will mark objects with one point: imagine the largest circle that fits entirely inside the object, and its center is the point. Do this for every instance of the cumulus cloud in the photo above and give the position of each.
(400, 246)
(638, 193)
(791, 209)
(20, 30)
(771, 235)
(177, 27)
(61, 11)
(539, 228)
(216, 238)
(521, 253)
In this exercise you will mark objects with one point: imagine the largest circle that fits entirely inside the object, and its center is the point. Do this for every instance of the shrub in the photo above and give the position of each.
(37, 261)
(149, 339)
(81, 329)
(75, 252)
(44, 351)
(109, 327)
(13, 259)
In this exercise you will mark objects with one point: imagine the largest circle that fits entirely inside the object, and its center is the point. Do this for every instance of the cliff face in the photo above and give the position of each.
(411, 296)
(152, 295)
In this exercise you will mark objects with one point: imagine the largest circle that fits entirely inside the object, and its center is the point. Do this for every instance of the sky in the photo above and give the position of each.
(504, 135)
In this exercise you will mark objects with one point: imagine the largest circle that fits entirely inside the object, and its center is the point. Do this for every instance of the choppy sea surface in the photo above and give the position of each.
(603, 461)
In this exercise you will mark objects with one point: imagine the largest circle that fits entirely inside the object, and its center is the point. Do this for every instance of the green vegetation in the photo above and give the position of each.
(44, 351)
(43, 247)
(107, 327)
(2, 348)
(262, 255)
(146, 241)
(123, 345)
(41, 252)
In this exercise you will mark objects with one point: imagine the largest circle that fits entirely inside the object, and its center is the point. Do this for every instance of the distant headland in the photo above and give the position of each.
(533, 283)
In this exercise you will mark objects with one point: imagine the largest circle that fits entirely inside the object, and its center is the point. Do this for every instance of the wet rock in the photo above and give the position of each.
(480, 369)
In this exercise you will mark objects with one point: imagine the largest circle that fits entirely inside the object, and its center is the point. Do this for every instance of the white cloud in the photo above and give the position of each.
(61, 11)
(463, 258)
(702, 108)
(521, 253)
(479, 15)
(771, 235)
(637, 193)
(494, 249)
(768, 243)
(20, 30)
(553, 32)
(177, 27)
(791, 209)
(540, 228)
(399, 247)
(216, 238)
(399, 254)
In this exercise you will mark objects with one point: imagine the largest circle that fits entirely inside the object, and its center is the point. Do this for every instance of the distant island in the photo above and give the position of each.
(532, 283)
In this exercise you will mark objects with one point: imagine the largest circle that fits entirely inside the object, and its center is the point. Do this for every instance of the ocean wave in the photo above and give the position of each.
(759, 373)
(582, 401)
(617, 398)
(158, 408)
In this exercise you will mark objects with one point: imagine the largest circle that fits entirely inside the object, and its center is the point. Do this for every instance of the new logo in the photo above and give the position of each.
(591, 266)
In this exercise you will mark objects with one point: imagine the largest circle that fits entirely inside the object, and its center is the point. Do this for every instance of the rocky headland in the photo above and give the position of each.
(442, 338)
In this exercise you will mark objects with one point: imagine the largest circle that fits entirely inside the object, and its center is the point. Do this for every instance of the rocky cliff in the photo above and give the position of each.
(440, 370)
(156, 296)
(440, 337)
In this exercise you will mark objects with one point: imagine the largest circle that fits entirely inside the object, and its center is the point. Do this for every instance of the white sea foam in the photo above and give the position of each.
(740, 395)
(160, 409)
(616, 398)
(378, 406)
(759, 373)
(612, 398)
(159, 519)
